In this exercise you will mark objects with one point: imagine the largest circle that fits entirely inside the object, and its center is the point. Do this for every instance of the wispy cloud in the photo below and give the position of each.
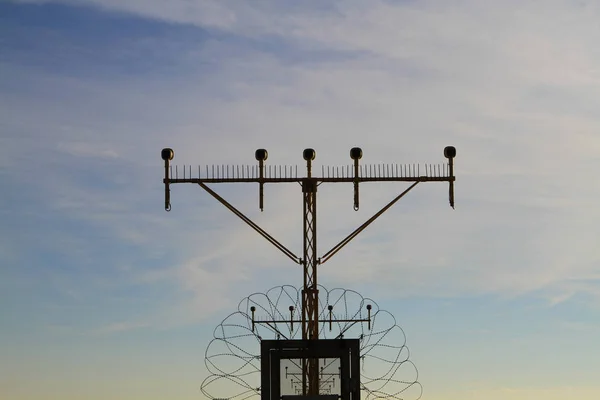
(92, 90)
(86, 150)
(516, 99)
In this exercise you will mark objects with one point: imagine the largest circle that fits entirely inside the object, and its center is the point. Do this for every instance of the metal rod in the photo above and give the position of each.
(358, 230)
(261, 185)
(167, 186)
(287, 321)
(356, 180)
(254, 226)
(451, 185)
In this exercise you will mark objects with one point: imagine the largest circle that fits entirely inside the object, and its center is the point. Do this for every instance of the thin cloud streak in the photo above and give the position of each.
(523, 170)
(94, 271)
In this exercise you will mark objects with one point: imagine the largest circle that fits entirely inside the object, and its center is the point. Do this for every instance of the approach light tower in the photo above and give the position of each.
(354, 174)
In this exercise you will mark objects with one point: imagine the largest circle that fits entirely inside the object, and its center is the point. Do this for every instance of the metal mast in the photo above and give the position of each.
(354, 174)
(310, 294)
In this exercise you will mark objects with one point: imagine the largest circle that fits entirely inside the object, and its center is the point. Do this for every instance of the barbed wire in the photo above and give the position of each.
(232, 357)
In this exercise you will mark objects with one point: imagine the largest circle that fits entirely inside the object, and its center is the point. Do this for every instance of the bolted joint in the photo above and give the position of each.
(309, 185)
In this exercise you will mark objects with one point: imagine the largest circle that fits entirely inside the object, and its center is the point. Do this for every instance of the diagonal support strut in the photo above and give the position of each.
(358, 230)
(252, 224)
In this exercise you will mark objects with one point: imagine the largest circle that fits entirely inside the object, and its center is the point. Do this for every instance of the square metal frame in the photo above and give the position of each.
(273, 351)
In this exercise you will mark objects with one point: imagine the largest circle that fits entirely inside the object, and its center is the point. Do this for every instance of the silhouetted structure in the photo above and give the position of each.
(307, 350)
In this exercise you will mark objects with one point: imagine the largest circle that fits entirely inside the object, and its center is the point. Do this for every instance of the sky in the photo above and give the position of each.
(105, 295)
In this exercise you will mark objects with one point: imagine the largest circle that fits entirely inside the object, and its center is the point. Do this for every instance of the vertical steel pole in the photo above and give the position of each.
(310, 293)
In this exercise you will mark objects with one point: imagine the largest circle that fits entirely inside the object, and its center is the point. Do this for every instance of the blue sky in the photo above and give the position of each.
(104, 295)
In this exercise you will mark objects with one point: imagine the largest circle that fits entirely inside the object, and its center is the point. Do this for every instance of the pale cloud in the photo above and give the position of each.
(82, 149)
(511, 85)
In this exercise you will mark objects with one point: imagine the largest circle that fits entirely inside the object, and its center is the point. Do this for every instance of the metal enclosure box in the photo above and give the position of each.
(344, 351)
